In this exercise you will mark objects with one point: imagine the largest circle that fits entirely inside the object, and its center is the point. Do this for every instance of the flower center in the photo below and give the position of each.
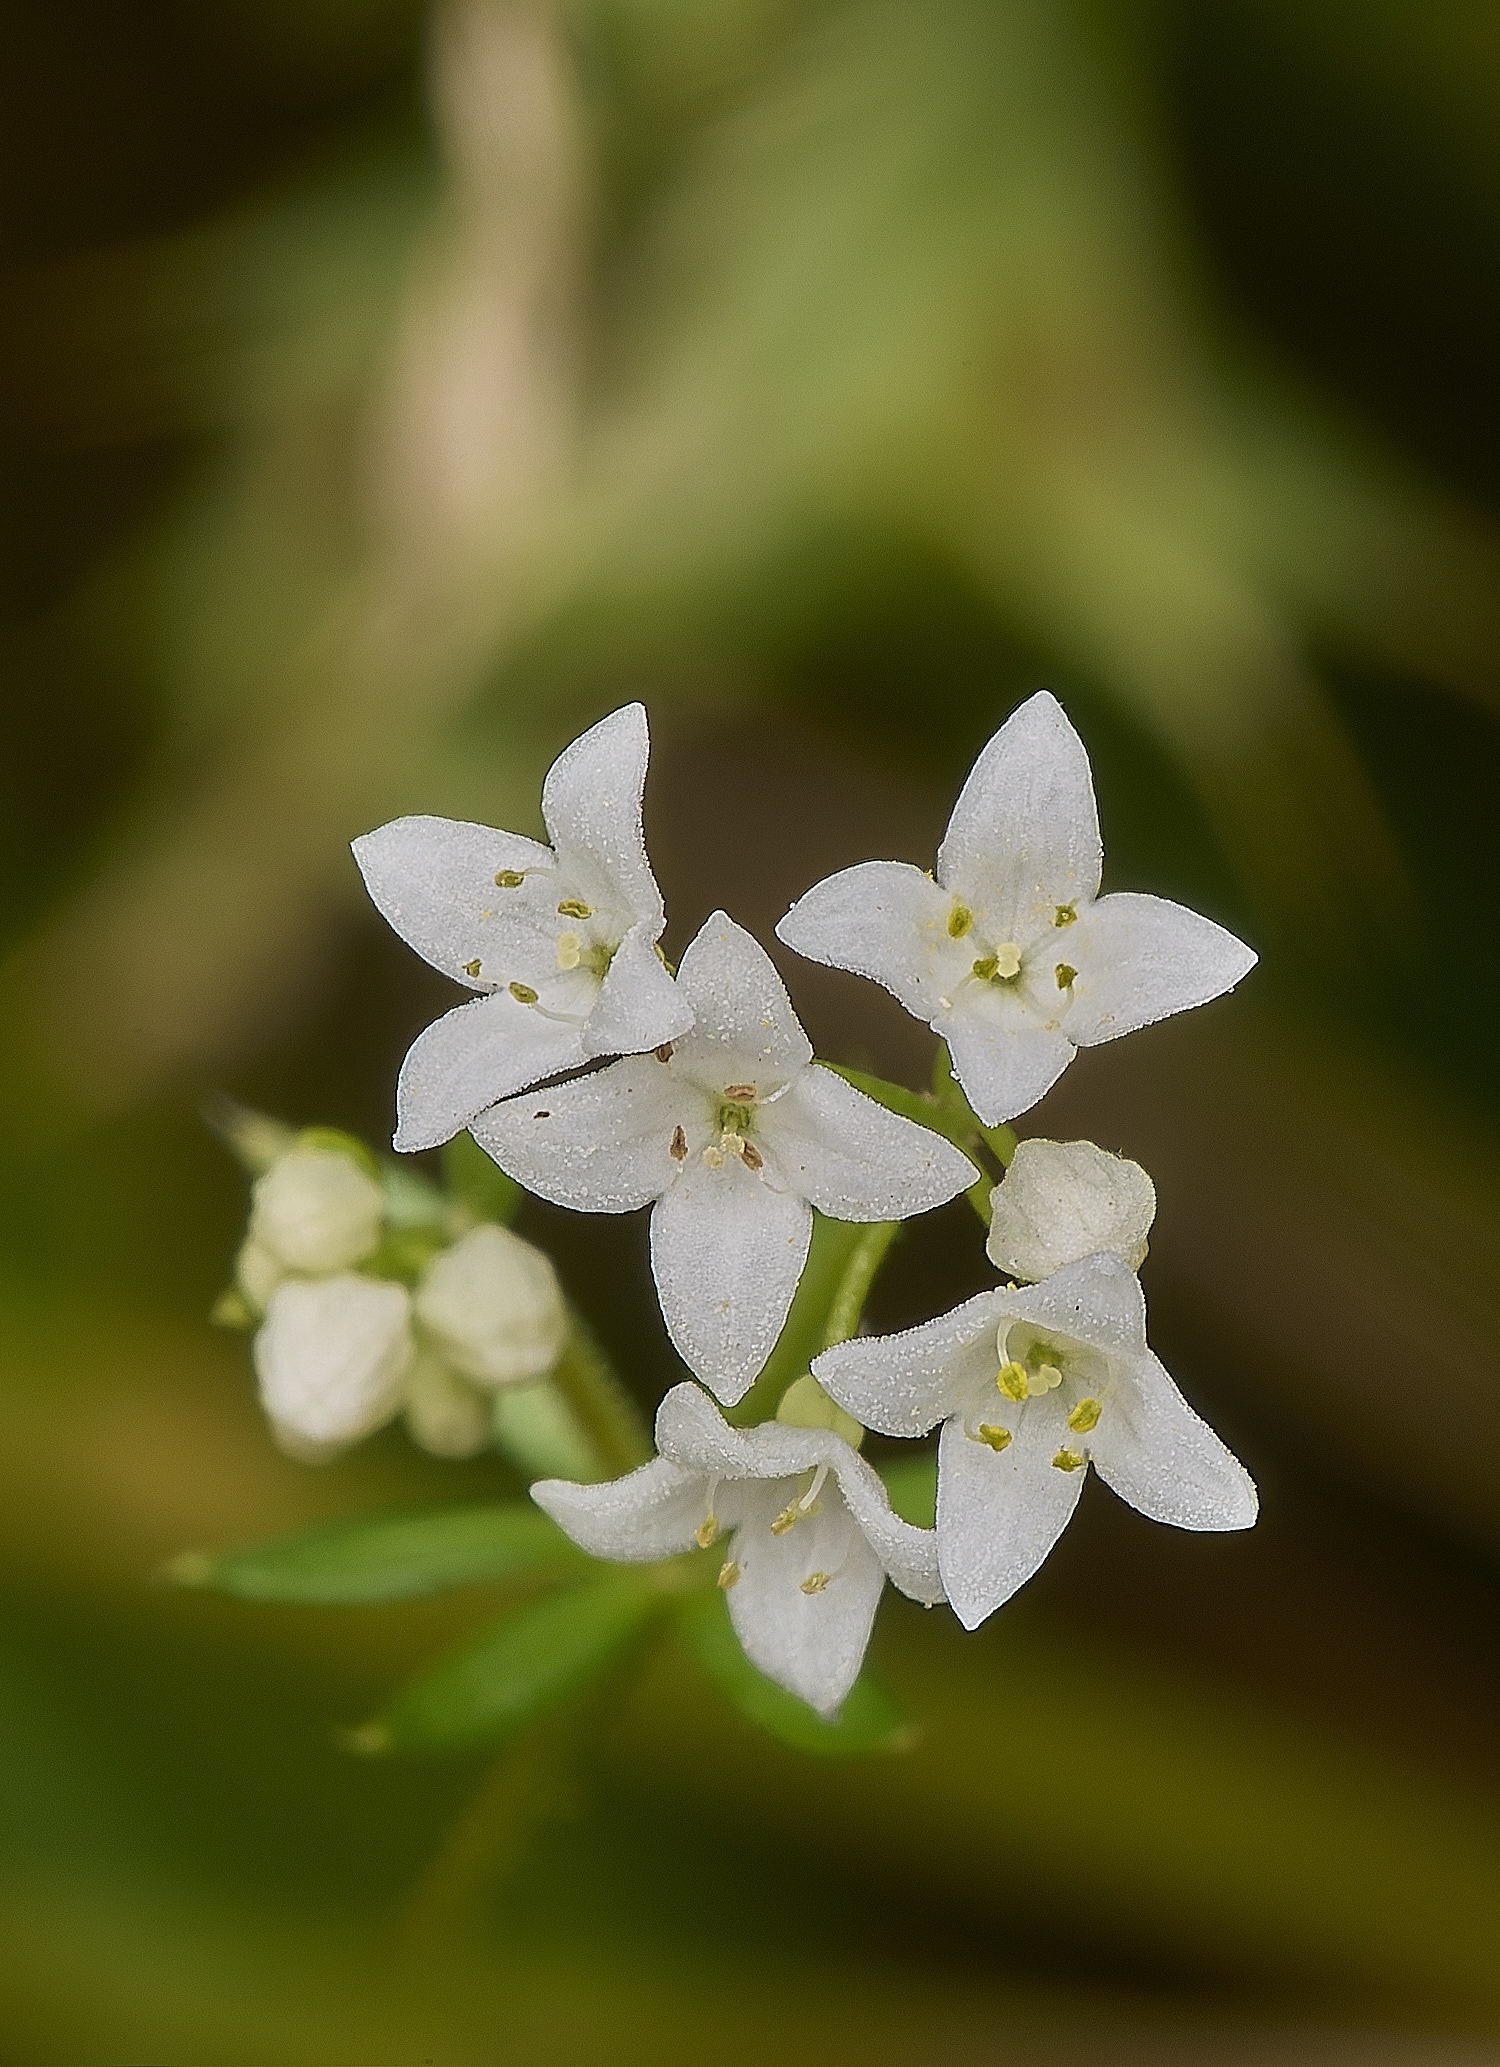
(1033, 1366)
(734, 1119)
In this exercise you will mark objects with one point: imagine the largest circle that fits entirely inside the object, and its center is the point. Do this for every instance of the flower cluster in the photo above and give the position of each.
(598, 1079)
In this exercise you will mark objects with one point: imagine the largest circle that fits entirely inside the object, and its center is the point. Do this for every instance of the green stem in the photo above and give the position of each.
(865, 1259)
(608, 1415)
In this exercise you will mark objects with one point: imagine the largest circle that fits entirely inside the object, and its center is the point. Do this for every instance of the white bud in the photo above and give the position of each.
(1064, 1200)
(316, 1211)
(445, 1414)
(493, 1307)
(258, 1272)
(331, 1359)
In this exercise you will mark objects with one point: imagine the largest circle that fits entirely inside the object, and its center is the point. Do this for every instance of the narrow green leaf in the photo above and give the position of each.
(607, 1414)
(528, 1663)
(864, 1260)
(393, 1558)
(477, 1182)
(911, 1483)
(869, 1721)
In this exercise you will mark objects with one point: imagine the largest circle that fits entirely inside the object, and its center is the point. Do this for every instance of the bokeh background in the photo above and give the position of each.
(387, 393)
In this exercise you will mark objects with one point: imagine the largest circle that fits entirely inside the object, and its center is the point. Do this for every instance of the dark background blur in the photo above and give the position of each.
(387, 393)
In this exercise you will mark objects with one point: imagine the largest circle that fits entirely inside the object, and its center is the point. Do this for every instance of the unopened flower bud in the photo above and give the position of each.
(447, 1415)
(316, 1211)
(493, 1307)
(258, 1272)
(331, 1359)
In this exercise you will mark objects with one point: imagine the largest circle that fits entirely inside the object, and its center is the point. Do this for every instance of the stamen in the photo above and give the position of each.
(575, 908)
(707, 1531)
(522, 993)
(1065, 975)
(985, 968)
(810, 1496)
(1007, 960)
(960, 919)
(816, 1582)
(1011, 1380)
(787, 1519)
(510, 878)
(998, 1438)
(569, 950)
(664, 1052)
(678, 1149)
(1085, 1416)
(1067, 1460)
(751, 1157)
(739, 1091)
(729, 1574)
(473, 968)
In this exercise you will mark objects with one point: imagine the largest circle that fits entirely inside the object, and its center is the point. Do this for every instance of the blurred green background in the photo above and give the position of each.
(387, 393)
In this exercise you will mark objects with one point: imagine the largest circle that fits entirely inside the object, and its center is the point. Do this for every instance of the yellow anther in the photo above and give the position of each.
(678, 1149)
(1067, 1460)
(787, 1518)
(707, 1531)
(960, 919)
(510, 879)
(998, 1438)
(569, 950)
(1064, 915)
(1007, 960)
(575, 908)
(729, 1574)
(472, 968)
(751, 1156)
(815, 1582)
(1065, 975)
(522, 993)
(984, 969)
(1012, 1381)
(1085, 1416)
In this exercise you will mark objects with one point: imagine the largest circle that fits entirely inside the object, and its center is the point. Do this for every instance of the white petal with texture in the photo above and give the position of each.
(638, 1006)
(591, 804)
(855, 1160)
(1000, 1512)
(726, 1252)
(1004, 1070)
(1154, 1451)
(472, 1056)
(1140, 959)
(1097, 1301)
(1062, 1200)
(652, 1512)
(905, 1384)
(600, 1144)
(1024, 835)
(744, 1028)
(885, 920)
(433, 880)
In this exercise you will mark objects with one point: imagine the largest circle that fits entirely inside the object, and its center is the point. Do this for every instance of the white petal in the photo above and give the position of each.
(1024, 835)
(600, 1144)
(744, 1028)
(908, 1555)
(885, 920)
(1004, 1070)
(1062, 1200)
(1153, 1450)
(316, 1210)
(855, 1160)
(493, 1307)
(811, 1643)
(591, 802)
(472, 1056)
(639, 1006)
(331, 1356)
(1097, 1300)
(652, 1512)
(1140, 958)
(433, 879)
(726, 1252)
(905, 1384)
(1000, 1512)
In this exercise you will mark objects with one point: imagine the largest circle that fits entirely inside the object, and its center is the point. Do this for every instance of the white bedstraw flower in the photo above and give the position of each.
(491, 1305)
(331, 1358)
(1061, 1200)
(1010, 953)
(804, 1528)
(1031, 1388)
(560, 940)
(731, 1131)
(313, 1212)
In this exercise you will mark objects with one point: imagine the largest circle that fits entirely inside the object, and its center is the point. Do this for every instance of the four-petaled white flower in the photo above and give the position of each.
(1033, 1386)
(807, 1531)
(1010, 953)
(732, 1131)
(561, 940)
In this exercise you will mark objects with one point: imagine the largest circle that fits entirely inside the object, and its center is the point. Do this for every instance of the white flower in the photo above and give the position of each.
(731, 1131)
(331, 1359)
(1065, 1199)
(492, 1306)
(314, 1211)
(1011, 954)
(561, 940)
(1031, 1387)
(808, 1536)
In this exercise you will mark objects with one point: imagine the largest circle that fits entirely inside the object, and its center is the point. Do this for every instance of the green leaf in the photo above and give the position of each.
(477, 1182)
(911, 1483)
(941, 1116)
(528, 1663)
(833, 1248)
(869, 1720)
(394, 1558)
